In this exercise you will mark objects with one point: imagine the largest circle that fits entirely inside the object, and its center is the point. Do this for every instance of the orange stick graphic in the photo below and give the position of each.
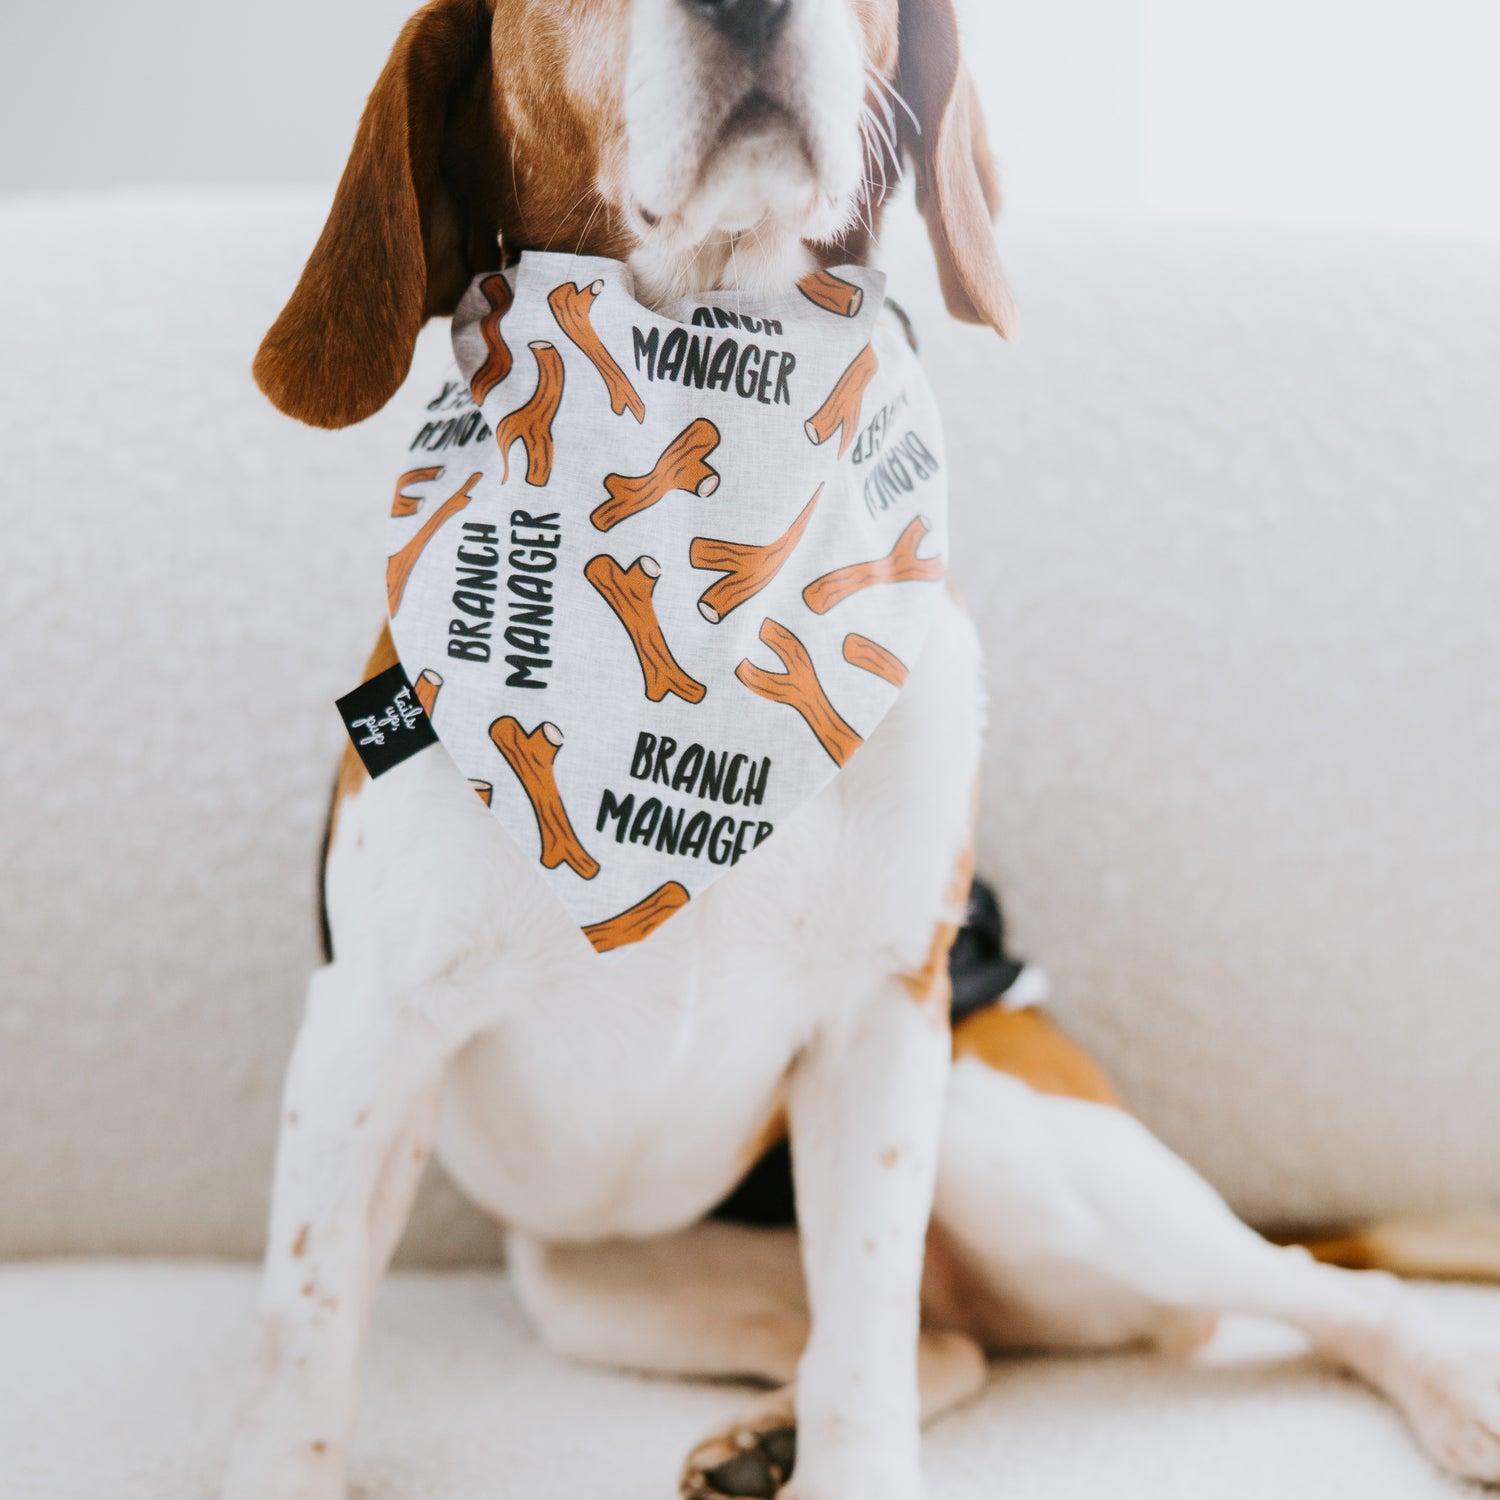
(841, 410)
(571, 305)
(497, 360)
(484, 790)
(798, 687)
(425, 689)
(900, 565)
(403, 504)
(398, 568)
(628, 592)
(531, 424)
(832, 293)
(680, 467)
(639, 921)
(747, 569)
(861, 651)
(530, 756)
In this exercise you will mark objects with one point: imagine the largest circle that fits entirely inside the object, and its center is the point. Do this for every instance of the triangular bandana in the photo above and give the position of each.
(656, 578)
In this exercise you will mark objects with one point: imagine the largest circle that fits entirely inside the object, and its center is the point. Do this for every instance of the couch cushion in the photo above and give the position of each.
(122, 1379)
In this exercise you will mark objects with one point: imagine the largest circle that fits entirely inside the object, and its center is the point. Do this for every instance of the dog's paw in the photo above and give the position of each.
(1450, 1394)
(751, 1458)
(755, 1458)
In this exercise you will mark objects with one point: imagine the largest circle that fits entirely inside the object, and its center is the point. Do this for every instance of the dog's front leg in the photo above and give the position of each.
(865, 1111)
(360, 1101)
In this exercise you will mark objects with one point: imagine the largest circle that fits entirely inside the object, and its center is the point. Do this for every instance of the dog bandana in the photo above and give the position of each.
(655, 578)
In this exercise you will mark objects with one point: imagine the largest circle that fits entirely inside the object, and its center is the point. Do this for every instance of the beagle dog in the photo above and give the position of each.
(958, 1191)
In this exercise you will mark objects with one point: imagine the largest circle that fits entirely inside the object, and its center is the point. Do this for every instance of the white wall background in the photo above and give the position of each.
(1354, 112)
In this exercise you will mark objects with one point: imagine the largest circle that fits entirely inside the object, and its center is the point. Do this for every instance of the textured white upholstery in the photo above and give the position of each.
(1227, 513)
(122, 1380)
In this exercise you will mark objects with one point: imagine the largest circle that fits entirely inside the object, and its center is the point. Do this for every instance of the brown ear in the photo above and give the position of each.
(392, 251)
(958, 191)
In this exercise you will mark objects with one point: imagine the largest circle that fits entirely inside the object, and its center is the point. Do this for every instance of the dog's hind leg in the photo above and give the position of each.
(1073, 1224)
(358, 1113)
(718, 1301)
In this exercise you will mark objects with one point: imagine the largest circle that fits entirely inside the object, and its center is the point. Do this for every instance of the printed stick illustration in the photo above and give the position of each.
(832, 293)
(425, 689)
(900, 565)
(571, 305)
(398, 568)
(798, 687)
(484, 790)
(639, 921)
(747, 569)
(860, 651)
(840, 412)
(531, 424)
(530, 756)
(403, 504)
(497, 360)
(680, 467)
(628, 592)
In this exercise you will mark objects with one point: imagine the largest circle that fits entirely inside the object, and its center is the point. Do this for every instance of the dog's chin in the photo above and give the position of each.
(744, 223)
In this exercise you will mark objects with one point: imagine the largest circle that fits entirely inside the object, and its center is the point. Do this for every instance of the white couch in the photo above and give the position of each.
(1228, 516)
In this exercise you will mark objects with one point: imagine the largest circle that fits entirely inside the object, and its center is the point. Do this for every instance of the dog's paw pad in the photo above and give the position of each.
(747, 1463)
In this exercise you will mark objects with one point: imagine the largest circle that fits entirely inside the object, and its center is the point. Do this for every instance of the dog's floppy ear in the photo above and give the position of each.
(393, 250)
(958, 190)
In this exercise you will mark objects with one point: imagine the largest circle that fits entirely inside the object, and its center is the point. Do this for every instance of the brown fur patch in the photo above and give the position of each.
(1030, 1046)
(958, 187)
(1461, 1245)
(931, 986)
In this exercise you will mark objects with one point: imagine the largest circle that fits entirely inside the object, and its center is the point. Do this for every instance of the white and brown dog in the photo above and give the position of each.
(955, 1195)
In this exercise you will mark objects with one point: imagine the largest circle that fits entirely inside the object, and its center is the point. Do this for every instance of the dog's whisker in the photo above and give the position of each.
(878, 157)
(873, 157)
(567, 218)
(876, 124)
(898, 98)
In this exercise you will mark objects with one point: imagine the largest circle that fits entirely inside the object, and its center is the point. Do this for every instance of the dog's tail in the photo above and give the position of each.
(1457, 1246)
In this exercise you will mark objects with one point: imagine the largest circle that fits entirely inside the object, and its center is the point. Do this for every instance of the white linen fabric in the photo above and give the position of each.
(658, 576)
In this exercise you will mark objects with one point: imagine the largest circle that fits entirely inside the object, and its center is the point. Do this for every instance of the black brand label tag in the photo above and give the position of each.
(386, 724)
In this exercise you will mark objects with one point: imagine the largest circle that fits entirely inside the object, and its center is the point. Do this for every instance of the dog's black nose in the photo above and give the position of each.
(751, 24)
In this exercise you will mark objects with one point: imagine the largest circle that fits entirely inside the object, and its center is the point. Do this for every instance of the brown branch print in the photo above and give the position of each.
(860, 651)
(484, 790)
(531, 424)
(840, 412)
(571, 305)
(530, 756)
(403, 504)
(747, 569)
(638, 922)
(832, 293)
(628, 592)
(398, 568)
(425, 689)
(798, 687)
(497, 360)
(900, 565)
(680, 467)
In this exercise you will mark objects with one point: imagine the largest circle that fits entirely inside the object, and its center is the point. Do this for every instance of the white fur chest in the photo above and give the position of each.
(624, 1096)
